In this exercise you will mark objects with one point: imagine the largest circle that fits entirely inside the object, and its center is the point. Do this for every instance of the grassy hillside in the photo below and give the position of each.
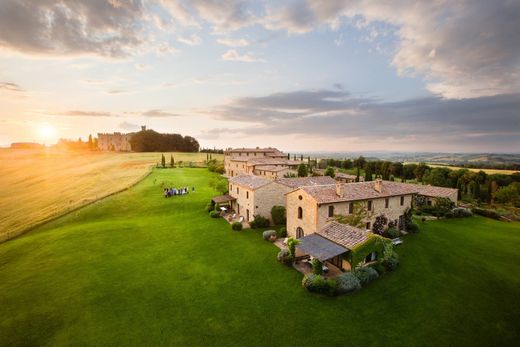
(36, 185)
(139, 269)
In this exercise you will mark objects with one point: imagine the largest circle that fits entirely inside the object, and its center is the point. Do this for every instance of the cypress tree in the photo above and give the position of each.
(368, 173)
(163, 160)
(172, 161)
(357, 175)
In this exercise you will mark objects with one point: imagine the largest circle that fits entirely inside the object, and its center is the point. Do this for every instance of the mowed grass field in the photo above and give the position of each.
(139, 269)
(36, 185)
(487, 171)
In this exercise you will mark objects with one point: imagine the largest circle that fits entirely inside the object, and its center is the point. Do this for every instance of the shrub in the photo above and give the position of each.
(236, 226)
(392, 233)
(284, 256)
(210, 206)
(214, 214)
(282, 232)
(269, 235)
(259, 222)
(412, 228)
(391, 262)
(486, 213)
(380, 268)
(347, 283)
(460, 212)
(318, 284)
(278, 215)
(365, 275)
(317, 267)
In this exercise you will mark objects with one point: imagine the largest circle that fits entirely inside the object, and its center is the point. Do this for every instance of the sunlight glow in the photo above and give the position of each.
(47, 132)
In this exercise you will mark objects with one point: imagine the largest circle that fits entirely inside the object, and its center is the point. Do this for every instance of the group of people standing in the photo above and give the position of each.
(177, 191)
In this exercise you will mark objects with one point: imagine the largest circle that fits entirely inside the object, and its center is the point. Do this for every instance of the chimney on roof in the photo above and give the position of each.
(378, 185)
(340, 188)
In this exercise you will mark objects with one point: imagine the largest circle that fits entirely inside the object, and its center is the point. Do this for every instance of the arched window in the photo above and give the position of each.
(299, 233)
(300, 213)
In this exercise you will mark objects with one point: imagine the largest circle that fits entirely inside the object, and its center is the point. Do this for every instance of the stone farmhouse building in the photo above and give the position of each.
(267, 162)
(309, 209)
(431, 193)
(116, 141)
(347, 178)
(252, 195)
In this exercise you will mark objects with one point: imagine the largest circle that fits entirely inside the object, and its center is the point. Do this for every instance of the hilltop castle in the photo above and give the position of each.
(116, 142)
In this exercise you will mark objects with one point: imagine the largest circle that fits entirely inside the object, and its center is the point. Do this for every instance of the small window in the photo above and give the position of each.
(368, 225)
(386, 202)
(351, 208)
(300, 213)
(300, 197)
(331, 211)
(369, 205)
(402, 200)
(247, 195)
(238, 190)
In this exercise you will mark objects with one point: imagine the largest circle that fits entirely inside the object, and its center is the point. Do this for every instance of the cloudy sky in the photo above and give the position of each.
(300, 75)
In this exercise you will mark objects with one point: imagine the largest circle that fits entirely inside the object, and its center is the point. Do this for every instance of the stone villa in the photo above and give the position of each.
(116, 141)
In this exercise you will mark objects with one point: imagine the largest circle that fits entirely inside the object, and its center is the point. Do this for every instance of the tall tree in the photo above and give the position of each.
(172, 161)
(90, 143)
(302, 170)
(163, 160)
(330, 172)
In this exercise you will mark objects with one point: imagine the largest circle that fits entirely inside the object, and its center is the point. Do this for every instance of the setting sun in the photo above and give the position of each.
(46, 132)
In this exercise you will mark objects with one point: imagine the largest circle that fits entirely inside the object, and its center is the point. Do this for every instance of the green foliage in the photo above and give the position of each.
(215, 166)
(356, 218)
(330, 172)
(379, 224)
(412, 228)
(291, 245)
(379, 267)
(214, 214)
(392, 233)
(509, 194)
(172, 161)
(392, 262)
(459, 212)
(486, 213)
(219, 183)
(302, 170)
(319, 284)
(317, 267)
(152, 141)
(284, 256)
(281, 232)
(375, 243)
(237, 226)
(163, 161)
(278, 215)
(269, 235)
(365, 275)
(210, 206)
(259, 222)
(347, 283)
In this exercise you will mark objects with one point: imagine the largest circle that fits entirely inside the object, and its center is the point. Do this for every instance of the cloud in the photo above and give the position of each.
(222, 15)
(158, 113)
(142, 67)
(337, 114)
(233, 42)
(106, 28)
(11, 87)
(117, 92)
(462, 48)
(129, 126)
(233, 55)
(192, 40)
(79, 113)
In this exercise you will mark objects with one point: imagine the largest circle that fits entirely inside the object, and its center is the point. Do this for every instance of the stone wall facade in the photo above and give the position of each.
(115, 142)
(315, 216)
(272, 175)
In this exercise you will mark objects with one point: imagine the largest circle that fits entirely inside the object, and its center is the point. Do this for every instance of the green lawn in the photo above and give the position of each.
(139, 269)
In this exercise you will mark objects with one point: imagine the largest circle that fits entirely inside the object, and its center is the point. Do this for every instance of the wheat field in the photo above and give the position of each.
(38, 185)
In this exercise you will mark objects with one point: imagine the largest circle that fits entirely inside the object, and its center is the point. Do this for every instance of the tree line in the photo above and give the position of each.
(152, 141)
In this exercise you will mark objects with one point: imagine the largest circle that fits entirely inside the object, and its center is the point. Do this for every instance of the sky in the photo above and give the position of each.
(436, 76)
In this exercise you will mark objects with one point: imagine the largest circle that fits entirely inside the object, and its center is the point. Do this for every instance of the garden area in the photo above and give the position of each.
(139, 269)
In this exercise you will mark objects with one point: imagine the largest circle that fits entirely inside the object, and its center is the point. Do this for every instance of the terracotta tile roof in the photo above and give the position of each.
(249, 181)
(267, 161)
(297, 182)
(358, 191)
(252, 150)
(271, 168)
(434, 191)
(344, 234)
(344, 175)
(239, 159)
